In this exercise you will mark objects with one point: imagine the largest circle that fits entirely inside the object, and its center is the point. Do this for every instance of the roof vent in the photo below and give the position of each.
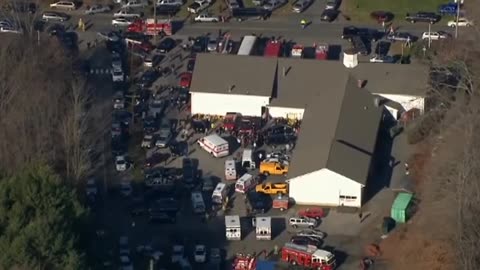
(350, 58)
(230, 89)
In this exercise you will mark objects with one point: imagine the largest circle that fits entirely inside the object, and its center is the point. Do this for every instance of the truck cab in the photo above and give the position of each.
(273, 167)
(271, 188)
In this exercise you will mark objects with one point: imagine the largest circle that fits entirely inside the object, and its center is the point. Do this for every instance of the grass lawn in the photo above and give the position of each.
(248, 3)
(359, 10)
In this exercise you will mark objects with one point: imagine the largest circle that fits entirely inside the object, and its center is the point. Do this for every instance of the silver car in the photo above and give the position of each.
(271, 5)
(54, 16)
(303, 222)
(301, 5)
(163, 137)
(97, 9)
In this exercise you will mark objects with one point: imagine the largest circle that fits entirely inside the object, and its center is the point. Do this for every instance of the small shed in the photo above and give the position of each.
(400, 211)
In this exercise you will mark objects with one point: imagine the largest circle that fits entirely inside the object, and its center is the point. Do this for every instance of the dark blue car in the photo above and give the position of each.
(448, 9)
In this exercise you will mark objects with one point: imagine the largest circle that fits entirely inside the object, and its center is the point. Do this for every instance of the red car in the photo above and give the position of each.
(185, 79)
(316, 213)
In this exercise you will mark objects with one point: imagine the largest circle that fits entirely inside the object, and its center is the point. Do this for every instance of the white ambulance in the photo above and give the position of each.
(230, 169)
(245, 183)
(215, 145)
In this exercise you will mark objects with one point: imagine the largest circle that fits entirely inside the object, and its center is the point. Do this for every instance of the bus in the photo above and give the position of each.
(247, 45)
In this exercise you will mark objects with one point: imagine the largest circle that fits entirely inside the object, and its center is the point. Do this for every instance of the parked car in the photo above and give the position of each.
(190, 172)
(271, 5)
(167, 44)
(209, 183)
(429, 17)
(206, 17)
(200, 253)
(243, 13)
(366, 34)
(163, 138)
(435, 35)
(190, 64)
(198, 6)
(448, 9)
(118, 75)
(148, 78)
(127, 13)
(306, 241)
(121, 21)
(123, 245)
(54, 16)
(233, 4)
(314, 212)
(126, 189)
(301, 5)
(212, 45)
(185, 79)
(135, 4)
(303, 222)
(462, 22)
(333, 4)
(97, 9)
(91, 188)
(312, 233)
(382, 59)
(178, 253)
(329, 15)
(167, 10)
(155, 159)
(176, 3)
(401, 36)
(157, 107)
(260, 203)
(153, 61)
(121, 163)
(67, 5)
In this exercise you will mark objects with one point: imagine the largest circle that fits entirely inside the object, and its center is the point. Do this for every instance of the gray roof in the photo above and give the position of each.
(338, 132)
(394, 78)
(243, 75)
(314, 75)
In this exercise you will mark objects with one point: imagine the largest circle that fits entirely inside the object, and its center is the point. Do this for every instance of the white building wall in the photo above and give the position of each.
(325, 188)
(284, 112)
(407, 102)
(220, 104)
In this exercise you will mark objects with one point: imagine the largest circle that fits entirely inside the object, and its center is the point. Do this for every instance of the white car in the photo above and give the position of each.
(68, 5)
(435, 35)
(127, 13)
(54, 16)
(121, 163)
(9, 29)
(382, 59)
(461, 22)
(125, 263)
(135, 4)
(97, 9)
(206, 17)
(118, 75)
(200, 254)
(116, 61)
(178, 253)
(91, 188)
(121, 21)
(126, 189)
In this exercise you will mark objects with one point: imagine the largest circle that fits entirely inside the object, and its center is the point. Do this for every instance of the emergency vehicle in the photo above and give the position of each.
(245, 183)
(308, 256)
(215, 145)
(272, 49)
(321, 51)
(244, 262)
(297, 51)
(150, 28)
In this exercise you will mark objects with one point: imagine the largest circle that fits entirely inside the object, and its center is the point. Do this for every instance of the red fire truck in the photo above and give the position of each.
(321, 51)
(308, 256)
(273, 48)
(150, 28)
(244, 262)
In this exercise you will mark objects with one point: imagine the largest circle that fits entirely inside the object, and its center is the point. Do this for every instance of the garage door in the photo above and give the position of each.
(220, 104)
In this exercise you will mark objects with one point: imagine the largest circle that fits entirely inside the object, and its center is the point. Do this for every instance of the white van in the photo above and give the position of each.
(245, 183)
(263, 228)
(198, 204)
(220, 193)
(247, 159)
(230, 169)
(233, 229)
(215, 145)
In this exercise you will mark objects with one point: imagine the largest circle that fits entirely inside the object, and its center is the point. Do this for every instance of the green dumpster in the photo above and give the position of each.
(400, 211)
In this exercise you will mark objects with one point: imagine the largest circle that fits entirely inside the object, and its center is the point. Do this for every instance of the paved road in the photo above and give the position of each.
(286, 26)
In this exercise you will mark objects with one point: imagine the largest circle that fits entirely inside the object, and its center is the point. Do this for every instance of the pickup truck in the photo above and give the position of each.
(198, 6)
(271, 188)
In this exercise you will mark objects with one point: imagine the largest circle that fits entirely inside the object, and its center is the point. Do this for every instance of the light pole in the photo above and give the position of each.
(429, 35)
(456, 19)
(155, 22)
